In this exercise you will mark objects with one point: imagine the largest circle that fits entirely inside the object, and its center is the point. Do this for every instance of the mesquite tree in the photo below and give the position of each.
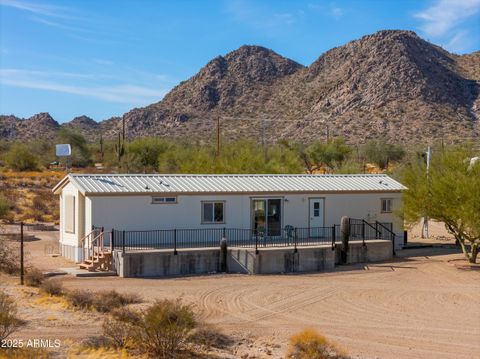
(450, 193)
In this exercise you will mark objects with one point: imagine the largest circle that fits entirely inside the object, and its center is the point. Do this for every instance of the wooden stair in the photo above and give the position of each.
(97, 256)
(99, 262)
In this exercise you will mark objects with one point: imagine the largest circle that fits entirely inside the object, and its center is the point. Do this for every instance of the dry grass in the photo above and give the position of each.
(210, 336)
(53, 287)
(30, 195)
(309, 344)
(34, 277)
(106, 301)
(102, 301)
(25, 353)
(80, 299)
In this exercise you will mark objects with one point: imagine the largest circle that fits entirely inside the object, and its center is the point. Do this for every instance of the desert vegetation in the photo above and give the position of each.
(9, 320)
(448, 192)
(309, 344)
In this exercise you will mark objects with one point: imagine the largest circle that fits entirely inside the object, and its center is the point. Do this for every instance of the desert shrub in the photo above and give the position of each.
(34, 277)
(9, 321)
(39, 204)
(95, 342)
(164, 327)
(4, 206)
(78, 298)
(20, 158)
(106, 301)
(52, 287)
(9, 256)
(26, 353)
(120, 327)
(210, 336)
(309, 344)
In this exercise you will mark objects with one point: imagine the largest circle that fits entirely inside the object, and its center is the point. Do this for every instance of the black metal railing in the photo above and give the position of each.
(248, 238)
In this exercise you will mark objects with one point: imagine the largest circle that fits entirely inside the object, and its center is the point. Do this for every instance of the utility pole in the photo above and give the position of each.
(264, 139)
(22, 270)
(218, 137)
(425, 219)
(328, 134)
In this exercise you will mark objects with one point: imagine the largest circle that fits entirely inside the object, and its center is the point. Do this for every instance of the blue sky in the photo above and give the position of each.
(103, 58)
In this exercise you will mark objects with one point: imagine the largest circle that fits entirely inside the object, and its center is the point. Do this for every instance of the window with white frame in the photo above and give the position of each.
(213, 212)
(386, 205)
(164, 200)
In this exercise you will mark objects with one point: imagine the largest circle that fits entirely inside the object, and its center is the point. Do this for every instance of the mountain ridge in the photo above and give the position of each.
(389, 84)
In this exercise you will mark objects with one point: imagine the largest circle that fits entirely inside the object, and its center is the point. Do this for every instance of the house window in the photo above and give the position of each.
(69, 214)
(164, 200)
(386, 205)
(213, 212)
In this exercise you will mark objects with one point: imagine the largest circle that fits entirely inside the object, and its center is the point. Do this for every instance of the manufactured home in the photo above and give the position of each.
(261, 203)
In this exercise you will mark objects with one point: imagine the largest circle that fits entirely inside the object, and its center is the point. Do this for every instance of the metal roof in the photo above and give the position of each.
(228, 183)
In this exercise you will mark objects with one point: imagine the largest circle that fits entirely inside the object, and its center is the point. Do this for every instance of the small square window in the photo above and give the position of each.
(163, 200)
(386, 205)
(213, 212)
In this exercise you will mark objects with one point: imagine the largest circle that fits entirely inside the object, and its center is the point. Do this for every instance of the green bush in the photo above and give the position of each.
(120, 327)
(9, 321)
(164, 328)
(20, 158)
(4, 206)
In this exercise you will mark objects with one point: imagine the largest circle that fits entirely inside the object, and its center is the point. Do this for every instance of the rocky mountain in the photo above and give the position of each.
(391, 84)
(42, 124)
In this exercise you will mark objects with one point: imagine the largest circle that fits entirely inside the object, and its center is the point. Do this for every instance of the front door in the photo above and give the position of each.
(267, 216)
(317, 216)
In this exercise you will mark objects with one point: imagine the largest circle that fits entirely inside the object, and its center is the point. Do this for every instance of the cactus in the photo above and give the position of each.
(345, 231)
(101, 148)
(120, 145)
(119, 149)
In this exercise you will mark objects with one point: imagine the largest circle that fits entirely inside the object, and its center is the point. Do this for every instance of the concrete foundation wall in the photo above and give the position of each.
(281, 260)
(165, 263)
(373, 251)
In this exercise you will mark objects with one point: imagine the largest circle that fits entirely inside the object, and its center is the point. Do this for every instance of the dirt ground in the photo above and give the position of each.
(416, 306)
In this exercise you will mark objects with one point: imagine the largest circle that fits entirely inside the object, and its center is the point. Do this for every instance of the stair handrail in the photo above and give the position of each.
(392, 234)
(86, 240)
(99, 245)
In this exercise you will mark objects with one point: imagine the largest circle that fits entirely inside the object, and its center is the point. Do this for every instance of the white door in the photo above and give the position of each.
(317, 216)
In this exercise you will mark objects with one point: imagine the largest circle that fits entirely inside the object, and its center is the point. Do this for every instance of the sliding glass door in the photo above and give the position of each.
(267, 216)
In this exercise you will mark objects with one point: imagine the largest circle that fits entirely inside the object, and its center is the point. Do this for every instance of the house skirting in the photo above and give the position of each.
(73, 253)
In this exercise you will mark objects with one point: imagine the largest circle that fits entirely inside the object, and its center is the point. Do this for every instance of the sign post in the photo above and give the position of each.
(64, 150)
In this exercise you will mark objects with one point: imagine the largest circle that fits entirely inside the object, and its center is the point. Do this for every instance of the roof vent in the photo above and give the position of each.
(146, 187)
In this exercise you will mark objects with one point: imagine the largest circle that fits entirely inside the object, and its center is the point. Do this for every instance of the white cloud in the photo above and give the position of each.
(336, 12)
(121, 93)
(36, 8)
(445, 15)
(444, 22)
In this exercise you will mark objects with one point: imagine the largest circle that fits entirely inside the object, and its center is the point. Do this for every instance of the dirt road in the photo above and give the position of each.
(417, 307)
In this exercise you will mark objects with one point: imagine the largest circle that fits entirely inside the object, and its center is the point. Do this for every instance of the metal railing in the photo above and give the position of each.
(175, 239)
